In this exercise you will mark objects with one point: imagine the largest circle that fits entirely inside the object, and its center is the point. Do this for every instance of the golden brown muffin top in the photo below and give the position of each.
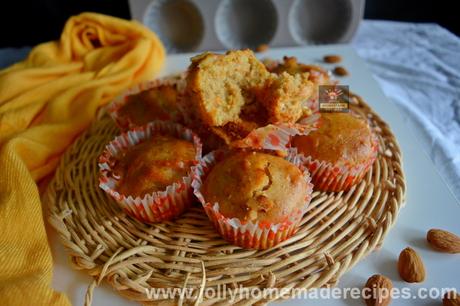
(158, 103)
(254, 186)
(154, 164)
(340, 138)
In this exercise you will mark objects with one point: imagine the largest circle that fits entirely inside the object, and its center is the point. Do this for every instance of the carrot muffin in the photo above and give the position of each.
(221, 85)
(316, 75)
(253, 186)
(154, 164)
(344, 142)
(157, 103)
(284, 97)
(148, 170)
(234, 94)
(244, 194)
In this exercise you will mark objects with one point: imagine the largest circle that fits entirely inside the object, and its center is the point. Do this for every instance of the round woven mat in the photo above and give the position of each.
(338, 230)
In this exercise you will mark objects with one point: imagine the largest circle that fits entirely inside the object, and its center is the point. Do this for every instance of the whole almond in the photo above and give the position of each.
(410, 266)
(451, 298)
(332, 59)
(340, 71)
(380, 294)
(443, 241)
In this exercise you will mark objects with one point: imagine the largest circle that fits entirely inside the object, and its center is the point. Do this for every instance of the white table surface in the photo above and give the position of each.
(430, 204)
(418, 68)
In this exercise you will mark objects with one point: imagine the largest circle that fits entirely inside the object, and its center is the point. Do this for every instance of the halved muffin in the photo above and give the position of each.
(234, 93)
(220, 86)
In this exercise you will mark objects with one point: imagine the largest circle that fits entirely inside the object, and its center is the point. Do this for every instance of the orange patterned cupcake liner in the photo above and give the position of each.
(334, 178)
(124, 122)
(246, 234)
(277, 137)
(160, 205)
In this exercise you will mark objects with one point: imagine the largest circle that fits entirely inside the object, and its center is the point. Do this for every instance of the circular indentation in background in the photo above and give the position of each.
(245, 23)
(178, 23)
(319, 22)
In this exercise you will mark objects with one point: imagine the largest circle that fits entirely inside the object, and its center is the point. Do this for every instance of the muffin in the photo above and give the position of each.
(154, 164)
(148, 170)
(339, 152)
(285, 97)
(219, 86)
(233, 94)
(158, 103)
(244, 194)
(158, 99)
(316, 75)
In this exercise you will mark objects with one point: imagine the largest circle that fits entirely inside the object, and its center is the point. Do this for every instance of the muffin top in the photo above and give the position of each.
(253, 186)
(340, 138)
(154, 164)
(158, 103)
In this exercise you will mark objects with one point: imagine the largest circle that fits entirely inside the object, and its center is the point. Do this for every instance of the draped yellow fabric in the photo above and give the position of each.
(46, 101)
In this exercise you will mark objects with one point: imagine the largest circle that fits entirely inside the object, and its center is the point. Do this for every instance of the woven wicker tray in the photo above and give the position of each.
(338, 230)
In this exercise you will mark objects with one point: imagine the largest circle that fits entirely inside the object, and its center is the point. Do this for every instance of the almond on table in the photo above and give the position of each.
(410, 266)
(380, 294)
(340, 71)
(451, 298)
(443, 241)
(332, 59)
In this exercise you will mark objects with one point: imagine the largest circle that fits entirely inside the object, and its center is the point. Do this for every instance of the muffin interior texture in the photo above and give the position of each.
(284, 96)
(234, 93)
(154, 164)
(224, 84)
(253, 186)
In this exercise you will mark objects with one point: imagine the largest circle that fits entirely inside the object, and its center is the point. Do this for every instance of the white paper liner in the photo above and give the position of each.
(248, 234)
(157, 206)
(113, 107)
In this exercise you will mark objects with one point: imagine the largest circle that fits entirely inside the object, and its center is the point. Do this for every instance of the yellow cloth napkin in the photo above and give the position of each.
(46, 101)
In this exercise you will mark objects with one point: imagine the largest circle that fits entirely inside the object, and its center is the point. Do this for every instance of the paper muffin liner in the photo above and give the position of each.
(277, 137)
(113, 109)
(331, 177)
(246, 234)
(160, 205)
